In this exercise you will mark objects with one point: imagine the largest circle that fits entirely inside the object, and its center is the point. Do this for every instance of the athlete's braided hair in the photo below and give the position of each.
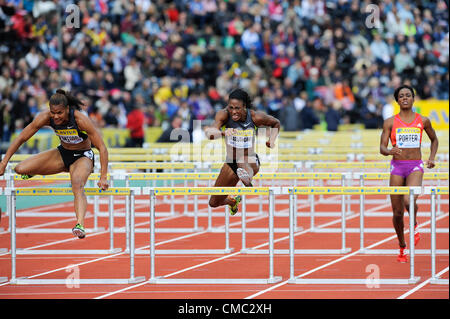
(241, 95)
(66, 99)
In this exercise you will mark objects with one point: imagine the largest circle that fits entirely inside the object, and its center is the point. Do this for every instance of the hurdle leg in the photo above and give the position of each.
(12, 211)
(361, 215)
(185, 199)
(131, 247)
(111, 220)
(292, 215)
(195, 209)
(311, 199)
(172, 198)
(412, 278)
(295, 206)
(127, 214)
(227, 229)
(9, 183)
(272, 278)
(439, 212)
(152, 235)
(349, 182)
(243, 224)
(343, 226)
(209, 210)
(434, 278)
(260, 199)
(96, 211)
(433, 237)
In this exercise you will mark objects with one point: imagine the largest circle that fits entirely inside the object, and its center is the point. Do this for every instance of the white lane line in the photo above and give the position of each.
(337, 260)
(144, 247)
(423, 284)
(62, 240)
(227, 256)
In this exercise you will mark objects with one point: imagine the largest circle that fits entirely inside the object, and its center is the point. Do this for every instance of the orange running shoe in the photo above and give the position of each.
(402, 258)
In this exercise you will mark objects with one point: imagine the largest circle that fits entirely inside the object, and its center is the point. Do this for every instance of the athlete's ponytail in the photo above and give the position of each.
(241, 95)
(66, 99)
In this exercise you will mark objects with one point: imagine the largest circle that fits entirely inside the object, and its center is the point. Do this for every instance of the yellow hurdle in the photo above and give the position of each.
(348, 190)
(427, 176)
(57, 177)
(361, 165)
(144, 165)
(64, 191)
(159, 191)
(212, 176)
(438, 190)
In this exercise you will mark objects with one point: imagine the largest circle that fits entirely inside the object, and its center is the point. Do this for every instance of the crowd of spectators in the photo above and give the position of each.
(306, 62)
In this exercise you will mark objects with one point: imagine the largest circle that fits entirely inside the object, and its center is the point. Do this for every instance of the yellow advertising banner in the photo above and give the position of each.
(436, 110)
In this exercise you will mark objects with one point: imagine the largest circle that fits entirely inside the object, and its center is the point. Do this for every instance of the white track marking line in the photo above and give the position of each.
(337, 260)
(147, 246)
(423, 284)
(139, 224)
(57, 241)
(229, 255)
(224, 257)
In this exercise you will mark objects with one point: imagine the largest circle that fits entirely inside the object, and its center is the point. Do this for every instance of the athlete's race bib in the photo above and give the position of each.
(408, 137)
(241, 139)
(69, 136)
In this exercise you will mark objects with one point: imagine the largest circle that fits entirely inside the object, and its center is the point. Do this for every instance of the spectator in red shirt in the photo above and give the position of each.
(173, 13)
(135, 123)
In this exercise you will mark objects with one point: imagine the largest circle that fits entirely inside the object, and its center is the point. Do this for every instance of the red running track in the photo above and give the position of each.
(232, 265)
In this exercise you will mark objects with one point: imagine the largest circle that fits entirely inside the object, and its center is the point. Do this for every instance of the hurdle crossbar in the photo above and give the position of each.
(357, 165)
(11, 178)
(434, 176)
(350, 191)
(292, 205)
(64, 191)
(47, 191)
(385, 176)
(14, 192)
(154, 192)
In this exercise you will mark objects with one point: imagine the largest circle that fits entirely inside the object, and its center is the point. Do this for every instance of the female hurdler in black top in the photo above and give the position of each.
(77, 134)
(238, 124)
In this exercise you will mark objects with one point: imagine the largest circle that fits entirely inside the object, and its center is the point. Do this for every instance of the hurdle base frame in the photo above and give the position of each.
(56, 230)
(162, 230)
(3, 279)
(68, 252)
(369, 251)
(221, 281)
(253, 230)
(350, 281)
(111, 281)
(439, 281)
(185, 251)
(298, 251)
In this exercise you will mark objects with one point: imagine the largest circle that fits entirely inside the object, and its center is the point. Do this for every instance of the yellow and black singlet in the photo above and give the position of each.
(69, 133)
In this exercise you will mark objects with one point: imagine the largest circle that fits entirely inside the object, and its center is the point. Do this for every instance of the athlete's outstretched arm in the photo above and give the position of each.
(215, 131)
(85, 124)
(262, 119)
(39, 121)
